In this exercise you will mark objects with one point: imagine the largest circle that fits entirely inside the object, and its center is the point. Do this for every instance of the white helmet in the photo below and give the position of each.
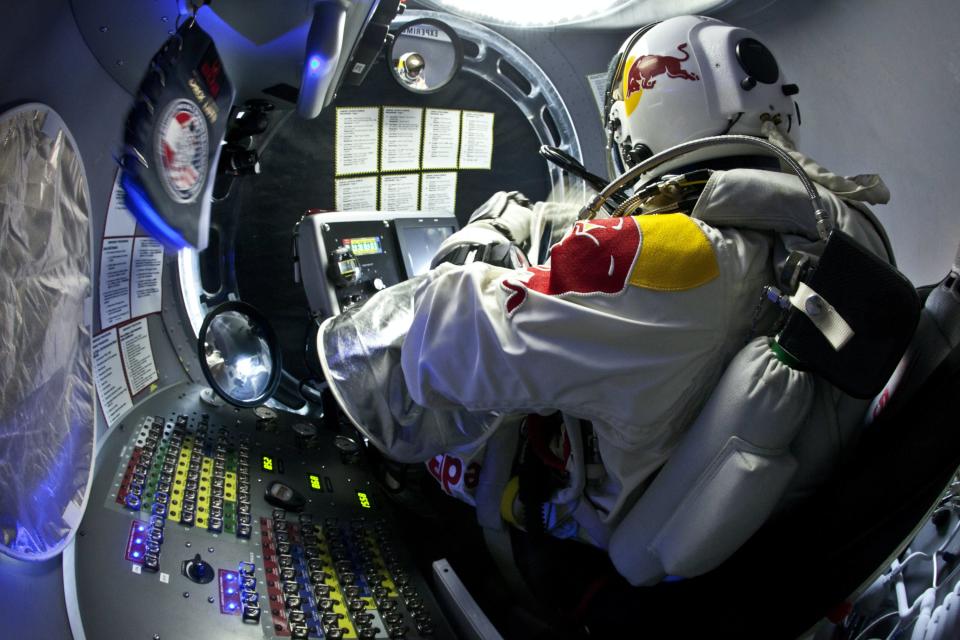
(690, 77)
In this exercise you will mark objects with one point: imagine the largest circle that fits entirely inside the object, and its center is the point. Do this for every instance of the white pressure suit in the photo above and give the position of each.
(628, 326)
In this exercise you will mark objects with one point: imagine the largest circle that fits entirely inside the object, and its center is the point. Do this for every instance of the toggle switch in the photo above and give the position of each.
(197, 570)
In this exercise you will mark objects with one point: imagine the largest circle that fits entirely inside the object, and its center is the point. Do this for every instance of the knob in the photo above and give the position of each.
(348, 448)
(198, 570)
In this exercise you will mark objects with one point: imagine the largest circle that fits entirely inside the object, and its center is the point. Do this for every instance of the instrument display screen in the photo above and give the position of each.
(368, 246)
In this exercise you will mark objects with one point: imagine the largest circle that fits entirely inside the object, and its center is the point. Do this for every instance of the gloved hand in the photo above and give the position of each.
(498, 233)
(360, 352)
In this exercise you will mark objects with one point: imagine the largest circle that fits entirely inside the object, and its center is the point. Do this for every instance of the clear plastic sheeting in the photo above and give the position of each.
(46, 384)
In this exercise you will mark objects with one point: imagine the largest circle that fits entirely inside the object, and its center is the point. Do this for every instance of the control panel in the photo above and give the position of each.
(209, 521)
(344, 258)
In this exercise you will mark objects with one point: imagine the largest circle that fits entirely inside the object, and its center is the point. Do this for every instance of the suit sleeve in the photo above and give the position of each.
(431, 365)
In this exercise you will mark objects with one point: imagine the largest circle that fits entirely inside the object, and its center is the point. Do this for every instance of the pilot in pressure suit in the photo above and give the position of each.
(603, 355)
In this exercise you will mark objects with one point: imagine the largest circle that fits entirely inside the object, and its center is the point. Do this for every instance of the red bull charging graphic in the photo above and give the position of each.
(645, 69)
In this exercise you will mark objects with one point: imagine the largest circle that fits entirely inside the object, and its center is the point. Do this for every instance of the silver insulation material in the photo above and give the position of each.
(360, 354)
(46, 382)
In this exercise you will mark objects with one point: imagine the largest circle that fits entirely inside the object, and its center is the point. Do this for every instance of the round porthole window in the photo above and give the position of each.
(46, 384)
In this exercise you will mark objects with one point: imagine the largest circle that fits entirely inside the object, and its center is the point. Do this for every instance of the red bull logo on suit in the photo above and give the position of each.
(596, 257)
(666, 252)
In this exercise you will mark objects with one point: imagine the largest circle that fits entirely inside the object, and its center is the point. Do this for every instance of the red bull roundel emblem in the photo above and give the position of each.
(181, 146)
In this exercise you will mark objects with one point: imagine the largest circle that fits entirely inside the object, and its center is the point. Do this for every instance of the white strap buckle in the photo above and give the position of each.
(823, 315)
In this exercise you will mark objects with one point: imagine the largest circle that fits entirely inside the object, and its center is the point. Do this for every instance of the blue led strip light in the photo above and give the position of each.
(146, 214)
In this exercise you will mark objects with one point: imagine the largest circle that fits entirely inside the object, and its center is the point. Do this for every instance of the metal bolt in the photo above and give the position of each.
(119, 63)
(186, 594)
(814, 305)
(103, 29)
(210, 599)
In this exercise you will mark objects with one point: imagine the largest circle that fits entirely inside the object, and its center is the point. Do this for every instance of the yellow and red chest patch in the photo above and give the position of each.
(667, 252)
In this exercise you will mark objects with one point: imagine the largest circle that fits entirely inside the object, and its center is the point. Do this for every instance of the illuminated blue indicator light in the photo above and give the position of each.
(314, 63)
(231, 591)
(232, 606)
(139, 528)
(136, 554)
(230, 576)
(138, 541)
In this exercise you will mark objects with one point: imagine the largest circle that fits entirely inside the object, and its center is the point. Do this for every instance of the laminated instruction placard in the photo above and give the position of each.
(138, 363)
(131, 267)
(401, 136)
(598, 86)
(438, 192)
(396, 158)
(112, 391)
(441, 139)
(120, 222)
(130, 289)
(356, 194)
(123, 366)
(400, 192)
(476, 140)
(357, 140)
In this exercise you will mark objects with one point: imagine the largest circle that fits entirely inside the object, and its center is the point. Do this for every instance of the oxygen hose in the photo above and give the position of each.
(569, 164)
(819, 213)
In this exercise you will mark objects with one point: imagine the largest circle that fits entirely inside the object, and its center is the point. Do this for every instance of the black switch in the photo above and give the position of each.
(296, 617)
(299, 631)
(281, 495)
(151, 562)
(197, 570)
(251, 614)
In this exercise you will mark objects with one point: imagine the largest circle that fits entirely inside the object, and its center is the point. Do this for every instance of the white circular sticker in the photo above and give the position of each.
(181, 148)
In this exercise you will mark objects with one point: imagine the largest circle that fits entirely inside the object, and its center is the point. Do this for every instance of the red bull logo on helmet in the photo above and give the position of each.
(596, 257)
(643, 72)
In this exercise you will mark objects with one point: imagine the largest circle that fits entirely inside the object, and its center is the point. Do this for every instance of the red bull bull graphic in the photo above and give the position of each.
(595, 258)
(645, 69)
